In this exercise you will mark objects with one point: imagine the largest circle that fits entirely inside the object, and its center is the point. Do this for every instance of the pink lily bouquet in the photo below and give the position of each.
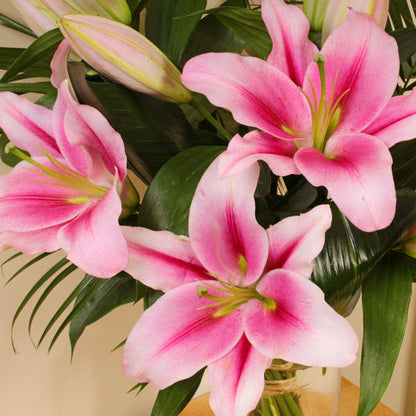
(277, 146)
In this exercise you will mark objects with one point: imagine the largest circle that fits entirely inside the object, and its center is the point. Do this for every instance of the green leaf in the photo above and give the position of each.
(153, 130)
(27, 265)
(211, 35)
(44, 278)
(42, 47)
(111, 293)
(167, 27)
(401, 14)
(406, 39)
(247, 25)
(12, 24)
(172, 400)
(25, 87)
(404, 162)
(8, 56)
(166, 203)
(386, 299)
(349, 254)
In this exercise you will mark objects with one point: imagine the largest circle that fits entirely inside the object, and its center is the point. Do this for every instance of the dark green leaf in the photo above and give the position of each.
(153, 130)
(41, 47)
(111, 293)
(25, 87)
(247, 25)
(386, 298)
(166, 203)
(406, 39)
(172, 400)
(8, 56)
(12, 24)
(349, 254)
(211, 35)
(404, 162)
(167, 27)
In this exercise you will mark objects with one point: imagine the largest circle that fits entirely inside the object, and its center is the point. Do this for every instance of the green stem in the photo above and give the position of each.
(288, 398)
(196, 104)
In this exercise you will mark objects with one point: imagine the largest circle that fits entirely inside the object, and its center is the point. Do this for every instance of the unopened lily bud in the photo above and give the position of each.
(337, 10)
(315, 11)
(43, 15)
(129, 198)
(125, 56)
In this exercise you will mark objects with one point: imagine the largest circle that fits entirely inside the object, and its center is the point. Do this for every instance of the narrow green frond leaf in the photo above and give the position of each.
(61, 276)
(119, 345)
(12, 24)
(14, 256)
(34, 289)
(28, 264)
(139, 387)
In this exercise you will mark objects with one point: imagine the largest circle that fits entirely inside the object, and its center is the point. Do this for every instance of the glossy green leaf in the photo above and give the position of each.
(12, 24)
(406, 39)
(166, 203)
(44, 87)
(42, 48)
(211, 35)
(167, 27)
(247, 25)
(153, 130)
(404, 162)
(386, 297)
(111, 293)
(349, 254)
(172, 400)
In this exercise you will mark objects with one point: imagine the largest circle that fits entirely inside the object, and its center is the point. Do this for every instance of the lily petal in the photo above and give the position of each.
(242, 152)
(94, 241)
(289, 28)
(178, 336)
(352, 65)
(357, 173)
(59, 64)
(26, 124)
(397, 122)
(302, 328)
(26, 205)
(31, 242)
(253, 90)
(237, 380)
(223, 240)
(296, 241)
(161, 259)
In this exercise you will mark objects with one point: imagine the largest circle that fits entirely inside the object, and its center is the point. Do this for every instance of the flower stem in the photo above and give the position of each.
(196, 104)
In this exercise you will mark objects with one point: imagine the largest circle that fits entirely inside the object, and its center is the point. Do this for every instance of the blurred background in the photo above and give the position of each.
(37, 383)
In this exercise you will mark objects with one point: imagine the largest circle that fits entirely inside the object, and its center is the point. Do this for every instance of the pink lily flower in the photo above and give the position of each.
(70, 192)
(237, 296)
(328, 116)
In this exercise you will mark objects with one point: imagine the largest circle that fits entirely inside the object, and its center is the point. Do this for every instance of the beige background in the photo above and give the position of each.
(36, 383)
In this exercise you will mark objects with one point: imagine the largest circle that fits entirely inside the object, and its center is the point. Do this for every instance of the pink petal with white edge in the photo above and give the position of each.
(26, 124)
(177, 336)
(357, 173)
(242, 152)
(26, 205)
(289, 28)
(354, 53)
(296, 241)
(31, 242)
(223, 227)
(161, 259)
(302, 328)
(397, 122)
(254, 91)
(86, 128)
(237, 380)
(94, 241)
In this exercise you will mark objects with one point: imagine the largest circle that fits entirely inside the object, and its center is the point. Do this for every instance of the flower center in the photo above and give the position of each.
(62, 176)
(234, 297)
(325, 114)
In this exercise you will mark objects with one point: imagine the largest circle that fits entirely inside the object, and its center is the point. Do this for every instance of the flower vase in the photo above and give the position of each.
(294, 390)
